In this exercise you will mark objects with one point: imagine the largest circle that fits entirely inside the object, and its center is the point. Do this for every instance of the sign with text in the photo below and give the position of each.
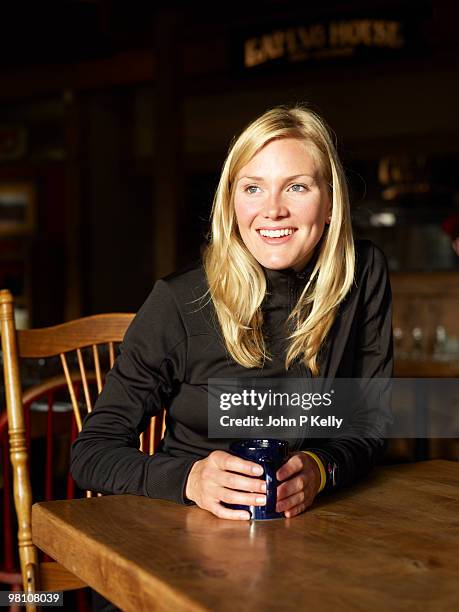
(353, 38)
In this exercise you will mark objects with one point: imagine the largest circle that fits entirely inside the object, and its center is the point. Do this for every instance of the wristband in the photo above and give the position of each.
(320, 465)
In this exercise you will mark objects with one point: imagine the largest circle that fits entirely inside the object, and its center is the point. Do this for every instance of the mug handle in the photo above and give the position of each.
(271, 486)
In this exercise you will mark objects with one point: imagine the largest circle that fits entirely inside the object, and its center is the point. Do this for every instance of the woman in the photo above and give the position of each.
(282, 291)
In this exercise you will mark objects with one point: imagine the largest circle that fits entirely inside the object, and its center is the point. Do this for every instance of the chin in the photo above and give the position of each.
(276, 265)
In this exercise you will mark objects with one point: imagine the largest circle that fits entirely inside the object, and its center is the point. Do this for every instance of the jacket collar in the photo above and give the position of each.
(281, 280)
(284, 286)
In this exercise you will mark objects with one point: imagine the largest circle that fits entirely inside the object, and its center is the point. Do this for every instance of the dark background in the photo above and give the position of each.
(128, 110)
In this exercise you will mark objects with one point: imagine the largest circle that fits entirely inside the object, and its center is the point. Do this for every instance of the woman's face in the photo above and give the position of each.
(281, 204)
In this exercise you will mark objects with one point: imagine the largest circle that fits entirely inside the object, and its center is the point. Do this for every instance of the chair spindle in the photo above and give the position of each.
(97, 367)
(111, 350)
(49, 448)
(84, 379)
(76, 410)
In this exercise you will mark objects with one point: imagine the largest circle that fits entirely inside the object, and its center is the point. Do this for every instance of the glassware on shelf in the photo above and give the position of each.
(399, 350)
(446, 346)
(417, 347)
(440, 353)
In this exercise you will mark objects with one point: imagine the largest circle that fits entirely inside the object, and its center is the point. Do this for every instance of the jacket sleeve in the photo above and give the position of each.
(105, 456)
(357, 454)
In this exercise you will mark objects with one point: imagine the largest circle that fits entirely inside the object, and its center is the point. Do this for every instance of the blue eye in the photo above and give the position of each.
(298, 188)
(251, 189)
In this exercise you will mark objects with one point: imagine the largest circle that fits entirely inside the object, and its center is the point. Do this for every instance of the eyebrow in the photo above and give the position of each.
(288, 178)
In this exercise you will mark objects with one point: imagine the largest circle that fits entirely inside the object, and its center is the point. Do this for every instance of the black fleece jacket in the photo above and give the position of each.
(174, 345)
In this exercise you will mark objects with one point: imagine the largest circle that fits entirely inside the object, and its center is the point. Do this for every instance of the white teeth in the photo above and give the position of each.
(276, 233)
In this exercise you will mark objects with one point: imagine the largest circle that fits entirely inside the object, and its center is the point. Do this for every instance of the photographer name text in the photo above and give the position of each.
(281, 421)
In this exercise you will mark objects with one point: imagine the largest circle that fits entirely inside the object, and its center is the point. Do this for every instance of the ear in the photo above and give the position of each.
(329, 212)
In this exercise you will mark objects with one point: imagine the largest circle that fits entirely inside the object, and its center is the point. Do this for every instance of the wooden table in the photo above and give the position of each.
(390, 543)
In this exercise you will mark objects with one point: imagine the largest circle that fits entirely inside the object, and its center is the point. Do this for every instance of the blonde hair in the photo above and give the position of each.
(237, 283)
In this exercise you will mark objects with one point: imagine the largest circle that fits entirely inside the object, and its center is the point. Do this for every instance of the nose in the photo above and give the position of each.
(274, 207)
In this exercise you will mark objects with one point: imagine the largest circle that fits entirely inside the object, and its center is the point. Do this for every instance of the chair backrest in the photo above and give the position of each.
(86, 349)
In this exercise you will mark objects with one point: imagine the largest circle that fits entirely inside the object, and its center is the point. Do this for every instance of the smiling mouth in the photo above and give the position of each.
(278, 233)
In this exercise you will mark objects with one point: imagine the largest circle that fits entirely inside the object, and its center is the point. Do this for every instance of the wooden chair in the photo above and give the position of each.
(76, 343)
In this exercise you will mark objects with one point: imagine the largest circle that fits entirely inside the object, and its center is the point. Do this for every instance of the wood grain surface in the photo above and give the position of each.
(389, 543)
(106, 327)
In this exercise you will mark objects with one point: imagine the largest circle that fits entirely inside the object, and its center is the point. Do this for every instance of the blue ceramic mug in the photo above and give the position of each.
(270, 454)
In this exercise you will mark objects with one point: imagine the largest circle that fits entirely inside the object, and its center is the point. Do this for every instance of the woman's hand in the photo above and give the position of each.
(300, 484)
(212, 480)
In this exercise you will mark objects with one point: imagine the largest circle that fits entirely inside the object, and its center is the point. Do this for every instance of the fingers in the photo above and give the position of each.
(244, 499)
(291, 487)
(294, 465)
(296, 510)
(227, 513)
(299, 487)
(296, 503)
(235, 488)
(230, 480)
(229, 475)
(228, 462)
(210, 483)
